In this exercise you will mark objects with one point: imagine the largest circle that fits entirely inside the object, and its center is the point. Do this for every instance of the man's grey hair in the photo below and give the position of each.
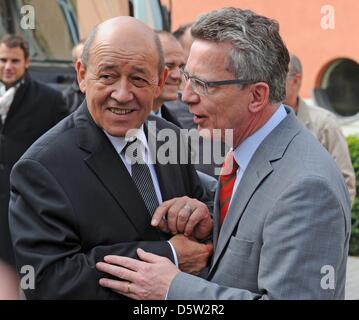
(295, 65)
(85, 56)
(92, 35)
(258, 54)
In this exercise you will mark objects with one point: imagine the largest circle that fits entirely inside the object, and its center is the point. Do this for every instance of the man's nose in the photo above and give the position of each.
(122, 91)
(176, 74)
(8, 65)
(188, 95)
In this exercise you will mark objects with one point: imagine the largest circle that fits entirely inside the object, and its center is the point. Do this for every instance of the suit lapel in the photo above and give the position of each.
(106, 164)
(248, 185)
(271, 149)
(216, 218)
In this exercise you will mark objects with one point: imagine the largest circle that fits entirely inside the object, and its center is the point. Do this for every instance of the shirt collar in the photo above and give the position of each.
(244, 152)
(17, 84)
(120, 142)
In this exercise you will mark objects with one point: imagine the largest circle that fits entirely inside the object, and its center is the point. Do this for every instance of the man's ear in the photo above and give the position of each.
(81, 71)
(161, 82)
(260, 97)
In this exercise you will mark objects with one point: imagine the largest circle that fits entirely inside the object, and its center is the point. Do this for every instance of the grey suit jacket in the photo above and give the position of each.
(287, 229)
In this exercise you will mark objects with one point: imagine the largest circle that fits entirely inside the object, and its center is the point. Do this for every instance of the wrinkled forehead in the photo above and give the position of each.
(124, 43)
(208, 56)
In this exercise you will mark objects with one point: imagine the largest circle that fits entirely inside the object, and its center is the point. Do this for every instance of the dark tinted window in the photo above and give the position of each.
(339, 89)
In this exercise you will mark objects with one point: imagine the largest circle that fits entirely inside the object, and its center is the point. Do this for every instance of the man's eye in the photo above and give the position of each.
(139, 82)
(170, 66)
(105, 76)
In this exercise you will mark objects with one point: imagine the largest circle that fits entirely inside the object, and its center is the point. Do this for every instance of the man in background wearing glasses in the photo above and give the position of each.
(281, 224)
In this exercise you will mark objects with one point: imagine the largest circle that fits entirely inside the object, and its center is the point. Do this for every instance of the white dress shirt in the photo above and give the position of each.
(119, 143)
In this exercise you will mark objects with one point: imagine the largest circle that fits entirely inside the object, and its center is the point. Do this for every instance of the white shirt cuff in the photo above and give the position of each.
(174, 253)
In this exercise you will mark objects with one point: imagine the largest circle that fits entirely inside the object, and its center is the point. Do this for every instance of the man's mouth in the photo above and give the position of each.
(197, 118)
(197, 115)
(120, 111)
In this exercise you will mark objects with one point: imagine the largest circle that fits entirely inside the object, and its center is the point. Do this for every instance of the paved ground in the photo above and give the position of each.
(352, 285)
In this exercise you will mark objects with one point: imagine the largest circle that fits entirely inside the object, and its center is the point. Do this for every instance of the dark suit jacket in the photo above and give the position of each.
(35, 109)
(169, 116)
(73, 202)
(73, 96)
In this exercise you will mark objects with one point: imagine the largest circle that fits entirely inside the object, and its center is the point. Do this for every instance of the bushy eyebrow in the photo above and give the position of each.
(106, 67)
(140, 70)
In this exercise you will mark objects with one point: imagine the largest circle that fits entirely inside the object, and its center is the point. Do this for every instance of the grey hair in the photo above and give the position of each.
(92, 35)
(295, 65)
(87, 46)
(258, 54)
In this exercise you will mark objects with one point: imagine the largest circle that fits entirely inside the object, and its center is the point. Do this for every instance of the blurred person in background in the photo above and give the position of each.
(27, 110)
(72, 94)
(183, 35)
(321, 123)
(174, 61)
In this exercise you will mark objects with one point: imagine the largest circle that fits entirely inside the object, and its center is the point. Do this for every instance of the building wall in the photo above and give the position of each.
(301, 28)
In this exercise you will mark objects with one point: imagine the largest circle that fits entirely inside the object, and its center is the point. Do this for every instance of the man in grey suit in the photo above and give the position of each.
(281, 231)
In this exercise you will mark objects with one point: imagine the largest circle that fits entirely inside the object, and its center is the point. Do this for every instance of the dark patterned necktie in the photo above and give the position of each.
(141, 175)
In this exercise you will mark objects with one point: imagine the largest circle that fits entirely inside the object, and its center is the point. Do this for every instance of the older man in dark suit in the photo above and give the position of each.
(78, 196)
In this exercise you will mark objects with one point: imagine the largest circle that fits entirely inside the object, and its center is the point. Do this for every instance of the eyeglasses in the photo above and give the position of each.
(200, 87)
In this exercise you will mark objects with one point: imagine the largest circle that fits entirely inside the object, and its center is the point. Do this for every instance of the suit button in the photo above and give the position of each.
(2, 167)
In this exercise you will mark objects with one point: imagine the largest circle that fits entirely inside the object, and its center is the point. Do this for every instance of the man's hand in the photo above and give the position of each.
(184, 215)
(148, 279)
(192, 256)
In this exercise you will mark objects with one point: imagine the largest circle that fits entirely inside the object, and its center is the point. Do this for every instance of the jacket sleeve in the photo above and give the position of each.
(46, 236)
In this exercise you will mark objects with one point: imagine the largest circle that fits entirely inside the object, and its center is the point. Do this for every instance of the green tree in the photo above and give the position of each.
(353, 144)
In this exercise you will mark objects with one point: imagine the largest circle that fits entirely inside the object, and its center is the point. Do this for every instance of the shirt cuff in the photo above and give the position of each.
(174, 254)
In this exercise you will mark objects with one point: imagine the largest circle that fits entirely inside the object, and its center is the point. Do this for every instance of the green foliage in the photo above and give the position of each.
(353, 143)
